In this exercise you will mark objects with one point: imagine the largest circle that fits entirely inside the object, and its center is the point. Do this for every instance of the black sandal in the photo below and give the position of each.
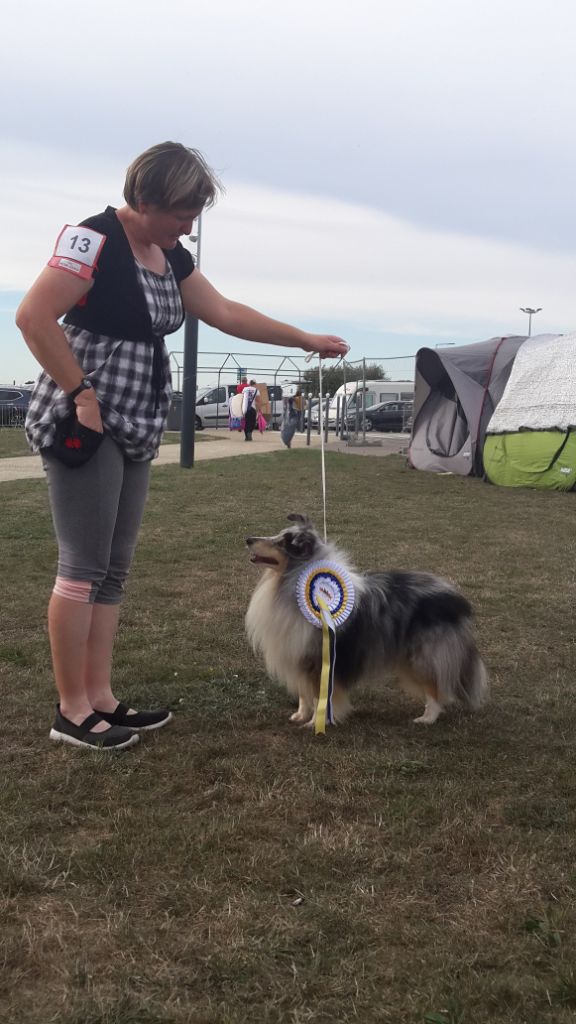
(138, 719)
(114, 738)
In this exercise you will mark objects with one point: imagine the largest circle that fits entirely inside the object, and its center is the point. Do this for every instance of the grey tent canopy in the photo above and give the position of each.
(456, 390)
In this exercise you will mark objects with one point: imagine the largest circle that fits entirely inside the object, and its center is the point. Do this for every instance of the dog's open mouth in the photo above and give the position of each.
(262, 560)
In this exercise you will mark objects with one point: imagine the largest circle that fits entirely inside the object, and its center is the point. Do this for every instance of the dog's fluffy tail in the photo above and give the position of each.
(457, 669)
(474, 683)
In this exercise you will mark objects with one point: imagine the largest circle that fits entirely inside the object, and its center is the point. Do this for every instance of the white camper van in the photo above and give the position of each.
(355, 394)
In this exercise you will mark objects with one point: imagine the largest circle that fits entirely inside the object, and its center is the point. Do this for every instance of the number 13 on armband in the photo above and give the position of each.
(77, 250)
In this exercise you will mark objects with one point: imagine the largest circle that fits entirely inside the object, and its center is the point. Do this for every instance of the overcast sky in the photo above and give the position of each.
(398, 174)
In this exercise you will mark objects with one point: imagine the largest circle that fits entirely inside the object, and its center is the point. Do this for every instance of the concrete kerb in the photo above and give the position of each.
(221, 445)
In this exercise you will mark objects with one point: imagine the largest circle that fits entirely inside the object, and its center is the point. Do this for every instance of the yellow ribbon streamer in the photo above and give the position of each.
(322, 706)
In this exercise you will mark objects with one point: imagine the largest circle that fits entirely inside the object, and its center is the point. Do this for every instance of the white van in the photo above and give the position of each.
(212, 405)
(376, 391)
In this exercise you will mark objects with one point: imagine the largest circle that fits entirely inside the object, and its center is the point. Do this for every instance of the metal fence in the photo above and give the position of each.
(216, 369)
(281, 369)
(11, 417)
(291, 366)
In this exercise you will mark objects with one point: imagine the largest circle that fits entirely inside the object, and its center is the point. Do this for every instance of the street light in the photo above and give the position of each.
(197, 239)
(531, 312)
(190, 373)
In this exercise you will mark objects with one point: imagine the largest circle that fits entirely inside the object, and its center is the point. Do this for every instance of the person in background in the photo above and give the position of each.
(243, 384)
(290, 418)
(122, 281)
(250, 408)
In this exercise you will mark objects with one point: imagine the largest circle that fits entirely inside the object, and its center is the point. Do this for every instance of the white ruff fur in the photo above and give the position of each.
(276, 636)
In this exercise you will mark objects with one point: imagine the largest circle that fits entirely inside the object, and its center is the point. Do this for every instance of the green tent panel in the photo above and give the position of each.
(532, 458)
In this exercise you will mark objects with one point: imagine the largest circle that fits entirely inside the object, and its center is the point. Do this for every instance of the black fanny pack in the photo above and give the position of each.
(73, 443)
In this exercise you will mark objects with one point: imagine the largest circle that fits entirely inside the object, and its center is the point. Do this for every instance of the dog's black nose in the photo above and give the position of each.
(249, 541)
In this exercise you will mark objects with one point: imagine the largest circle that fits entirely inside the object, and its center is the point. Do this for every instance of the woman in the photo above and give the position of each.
(100, 405)
(250, 408)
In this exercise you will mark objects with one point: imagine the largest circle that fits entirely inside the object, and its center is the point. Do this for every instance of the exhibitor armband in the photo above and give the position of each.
(77, 251)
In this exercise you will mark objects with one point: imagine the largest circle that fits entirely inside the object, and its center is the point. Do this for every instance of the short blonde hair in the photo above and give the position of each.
(170, 175)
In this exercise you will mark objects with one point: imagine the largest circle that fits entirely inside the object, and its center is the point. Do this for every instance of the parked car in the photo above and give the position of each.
(212, 407)
(386, 416)
(13, 404)
(374, 393)
(314, 411)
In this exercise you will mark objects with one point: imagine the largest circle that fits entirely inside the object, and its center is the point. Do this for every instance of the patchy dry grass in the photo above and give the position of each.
(233, 868)
(13, 443)
(13, 440)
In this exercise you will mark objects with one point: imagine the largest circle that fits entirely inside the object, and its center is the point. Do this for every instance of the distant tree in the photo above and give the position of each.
(333, 377)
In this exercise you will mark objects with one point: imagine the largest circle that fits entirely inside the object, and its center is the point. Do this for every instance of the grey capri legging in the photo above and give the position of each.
(97, 511)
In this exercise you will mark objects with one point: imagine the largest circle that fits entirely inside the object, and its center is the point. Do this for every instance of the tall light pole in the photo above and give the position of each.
(531, 312)
(190, 373)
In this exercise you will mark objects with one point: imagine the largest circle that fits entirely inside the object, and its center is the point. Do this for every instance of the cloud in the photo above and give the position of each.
(332, 259)
(325, 264)
(303, 256)
(449, 113)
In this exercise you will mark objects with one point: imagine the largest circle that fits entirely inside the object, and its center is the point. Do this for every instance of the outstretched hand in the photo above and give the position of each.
(327, 345)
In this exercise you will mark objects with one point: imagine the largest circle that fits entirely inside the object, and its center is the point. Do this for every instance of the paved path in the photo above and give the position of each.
(222, 445)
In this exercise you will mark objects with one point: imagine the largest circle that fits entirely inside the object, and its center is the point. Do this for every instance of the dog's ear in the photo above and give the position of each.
(296, 517)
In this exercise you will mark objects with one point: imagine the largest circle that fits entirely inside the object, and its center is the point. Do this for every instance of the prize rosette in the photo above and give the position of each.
(325, 595)
(329, 583)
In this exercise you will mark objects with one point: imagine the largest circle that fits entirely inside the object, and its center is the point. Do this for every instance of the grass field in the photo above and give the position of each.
(233, 868)
(13, 441)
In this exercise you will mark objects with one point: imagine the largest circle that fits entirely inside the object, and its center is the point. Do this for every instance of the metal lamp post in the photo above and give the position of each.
(531, 312)
(190, 373)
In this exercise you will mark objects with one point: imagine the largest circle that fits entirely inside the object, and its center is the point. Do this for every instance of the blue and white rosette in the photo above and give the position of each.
(325, 595)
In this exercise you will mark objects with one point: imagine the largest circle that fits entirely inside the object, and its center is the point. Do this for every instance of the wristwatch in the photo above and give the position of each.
(84, 385)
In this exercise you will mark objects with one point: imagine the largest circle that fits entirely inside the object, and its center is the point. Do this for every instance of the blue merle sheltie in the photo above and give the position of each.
(412, 625)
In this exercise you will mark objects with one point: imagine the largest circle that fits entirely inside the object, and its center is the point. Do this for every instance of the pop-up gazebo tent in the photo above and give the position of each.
(456, 390)
(531, 438)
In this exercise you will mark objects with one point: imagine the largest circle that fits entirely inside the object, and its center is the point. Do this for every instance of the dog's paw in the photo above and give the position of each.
(432, 711)
(428, 718)
(300, 717)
